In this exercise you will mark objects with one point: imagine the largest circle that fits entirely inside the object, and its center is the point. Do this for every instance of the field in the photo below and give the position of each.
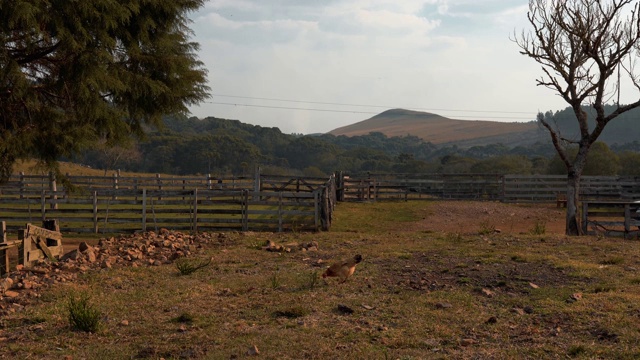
(439, 280)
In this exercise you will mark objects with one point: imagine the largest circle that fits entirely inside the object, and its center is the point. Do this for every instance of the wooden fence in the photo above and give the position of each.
(262, 202)
(120, 204)
(368, 187)
(506, 188)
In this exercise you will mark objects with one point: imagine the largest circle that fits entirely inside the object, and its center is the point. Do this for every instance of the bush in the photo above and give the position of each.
(189, 266)
(83, 315)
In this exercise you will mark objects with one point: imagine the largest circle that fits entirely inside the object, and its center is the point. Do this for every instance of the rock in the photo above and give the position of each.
(487, 292)
(534, 286)
(467, 342)
(442, 305)
(574, 297)
(90, 255)
(72, 255)
(253, 351)
(491, 320)
(11, 294)
(518, 311)
(83, 246)
(6, 284)
(124, 323)
(344, 309)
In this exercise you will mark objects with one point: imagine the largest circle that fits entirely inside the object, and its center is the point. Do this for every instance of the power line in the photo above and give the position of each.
(366, 112)
(364, 105)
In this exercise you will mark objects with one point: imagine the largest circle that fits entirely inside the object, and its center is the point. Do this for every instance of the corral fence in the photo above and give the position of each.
(113, 204)
(116, 204)
(495, 187)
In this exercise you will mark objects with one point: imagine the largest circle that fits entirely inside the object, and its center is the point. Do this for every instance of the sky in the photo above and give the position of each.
(311, 66)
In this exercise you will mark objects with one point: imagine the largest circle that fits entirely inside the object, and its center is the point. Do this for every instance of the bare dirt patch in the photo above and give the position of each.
(467, 217)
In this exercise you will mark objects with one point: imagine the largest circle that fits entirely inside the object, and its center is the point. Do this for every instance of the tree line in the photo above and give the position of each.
(185, 146)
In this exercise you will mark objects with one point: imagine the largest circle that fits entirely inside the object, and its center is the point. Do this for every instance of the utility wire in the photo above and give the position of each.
(363, 105)
(367, 112)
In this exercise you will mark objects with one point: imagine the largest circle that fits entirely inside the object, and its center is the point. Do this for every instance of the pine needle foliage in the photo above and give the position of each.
(73, 72)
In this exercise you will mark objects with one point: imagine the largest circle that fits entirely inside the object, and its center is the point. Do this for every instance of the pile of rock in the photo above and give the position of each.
(24, 285)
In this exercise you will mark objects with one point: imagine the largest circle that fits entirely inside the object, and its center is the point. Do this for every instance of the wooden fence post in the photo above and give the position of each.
(194, 228)
(245, 210)
(22, 189)
(115, 186)
(43, 208)
(280, 211)
(95, 212)
(257, 186)
(339, 178)
(53, 188)
(316, 210)
(159, 185)
(4, 253)
(135, 187)
(144, 209)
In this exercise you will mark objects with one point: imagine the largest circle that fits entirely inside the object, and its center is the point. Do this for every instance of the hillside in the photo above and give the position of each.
(441, 130)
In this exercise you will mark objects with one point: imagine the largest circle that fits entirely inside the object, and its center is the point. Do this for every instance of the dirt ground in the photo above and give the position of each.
(466, 217)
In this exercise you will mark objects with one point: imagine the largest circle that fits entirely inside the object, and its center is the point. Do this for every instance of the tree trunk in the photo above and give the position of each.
(573, 227)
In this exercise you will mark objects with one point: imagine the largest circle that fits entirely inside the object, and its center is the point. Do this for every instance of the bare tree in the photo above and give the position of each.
(583, 46)
(110, 155)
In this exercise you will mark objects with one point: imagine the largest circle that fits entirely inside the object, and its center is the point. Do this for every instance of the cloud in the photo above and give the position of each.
(444, 54)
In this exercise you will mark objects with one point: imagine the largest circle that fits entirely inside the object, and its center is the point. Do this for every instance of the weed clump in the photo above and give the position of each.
(83, 315)
(539, 228)
(188, 266)
(486, 228)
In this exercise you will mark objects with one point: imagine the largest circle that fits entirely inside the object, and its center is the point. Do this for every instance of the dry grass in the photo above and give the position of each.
(31, 167)
(416, 295)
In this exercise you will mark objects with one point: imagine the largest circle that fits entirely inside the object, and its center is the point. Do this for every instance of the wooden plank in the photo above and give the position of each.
(44, 233)
(42, 245)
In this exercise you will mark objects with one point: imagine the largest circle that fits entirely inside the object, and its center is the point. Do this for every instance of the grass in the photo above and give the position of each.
(416, 295)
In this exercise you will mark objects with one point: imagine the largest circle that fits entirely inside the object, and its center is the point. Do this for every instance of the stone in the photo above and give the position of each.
(487, 292)
(11, 294)
(71, 255)
(6, 284)
(467, 342)
(84, 247)
(253, 351)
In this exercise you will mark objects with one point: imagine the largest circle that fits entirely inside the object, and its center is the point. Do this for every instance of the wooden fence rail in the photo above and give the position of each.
(262, 202)
(109, 204)
(495, 187)
(123, 210)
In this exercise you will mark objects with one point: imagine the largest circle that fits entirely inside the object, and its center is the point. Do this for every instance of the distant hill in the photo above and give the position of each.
(441, 130)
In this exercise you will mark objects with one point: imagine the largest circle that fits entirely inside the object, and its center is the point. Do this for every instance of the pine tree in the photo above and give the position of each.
(73, 72)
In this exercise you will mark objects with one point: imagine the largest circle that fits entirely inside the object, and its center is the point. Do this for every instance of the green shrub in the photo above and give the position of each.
(83, 315)
(539, 228)
(486, 228)
(188, 266)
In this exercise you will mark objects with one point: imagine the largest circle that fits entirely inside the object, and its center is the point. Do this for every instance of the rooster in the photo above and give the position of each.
(343, 269)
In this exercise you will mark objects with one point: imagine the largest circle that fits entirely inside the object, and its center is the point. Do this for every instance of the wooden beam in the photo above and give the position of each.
(44, 233)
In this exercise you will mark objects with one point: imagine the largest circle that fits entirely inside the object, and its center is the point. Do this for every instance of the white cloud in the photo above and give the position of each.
(437, 54)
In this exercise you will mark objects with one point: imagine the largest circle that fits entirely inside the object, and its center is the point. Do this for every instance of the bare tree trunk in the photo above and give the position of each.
(573, 191)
